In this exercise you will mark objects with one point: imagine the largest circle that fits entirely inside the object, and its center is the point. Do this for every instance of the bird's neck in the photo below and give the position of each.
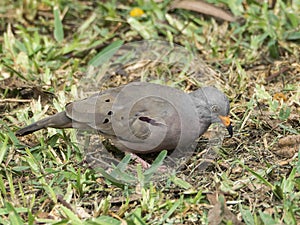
(201, 106)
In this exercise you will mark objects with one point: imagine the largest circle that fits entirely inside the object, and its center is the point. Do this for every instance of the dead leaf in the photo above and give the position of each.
(220, 213)
(204, 8)
(44, 215)
(212, 198)
(287, 146)
(289, 140)
(287, 151)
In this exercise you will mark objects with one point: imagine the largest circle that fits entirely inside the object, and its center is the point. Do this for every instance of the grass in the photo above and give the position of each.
(47, 48)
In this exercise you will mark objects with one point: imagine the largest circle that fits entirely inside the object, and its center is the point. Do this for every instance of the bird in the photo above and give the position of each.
(143, 117)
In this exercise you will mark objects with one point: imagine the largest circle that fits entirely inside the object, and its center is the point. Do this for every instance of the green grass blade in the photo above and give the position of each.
(157, 163)
(14, 217)
(247, 215)
(58, 26)
(72, 217)
(3, 148)
(105, 55)
(171, 210)
(102, 220)
(181, 183)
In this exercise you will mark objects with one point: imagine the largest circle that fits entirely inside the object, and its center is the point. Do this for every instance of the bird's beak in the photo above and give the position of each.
(226, 121)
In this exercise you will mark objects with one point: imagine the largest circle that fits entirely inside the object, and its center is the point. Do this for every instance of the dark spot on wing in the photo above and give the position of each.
(106, 121)
(149, 120)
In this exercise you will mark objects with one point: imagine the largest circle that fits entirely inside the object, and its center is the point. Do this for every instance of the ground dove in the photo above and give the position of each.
(143, 117)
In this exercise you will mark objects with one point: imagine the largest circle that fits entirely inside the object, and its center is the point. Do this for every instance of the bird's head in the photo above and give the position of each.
(216, 104)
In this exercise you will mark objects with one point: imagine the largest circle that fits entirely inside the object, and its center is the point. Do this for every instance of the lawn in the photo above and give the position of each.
(55, 52)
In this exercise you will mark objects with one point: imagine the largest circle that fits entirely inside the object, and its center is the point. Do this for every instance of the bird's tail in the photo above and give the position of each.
(59, 120)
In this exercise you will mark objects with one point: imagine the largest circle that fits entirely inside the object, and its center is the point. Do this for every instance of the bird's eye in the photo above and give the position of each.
(215, 108)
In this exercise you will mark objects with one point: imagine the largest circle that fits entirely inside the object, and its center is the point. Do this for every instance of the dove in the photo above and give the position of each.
(143, 117)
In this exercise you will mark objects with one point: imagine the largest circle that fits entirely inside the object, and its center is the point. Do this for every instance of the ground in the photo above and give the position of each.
(49, 52)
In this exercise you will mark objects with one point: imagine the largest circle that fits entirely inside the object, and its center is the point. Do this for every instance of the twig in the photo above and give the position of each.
(7, 100)
(274, 75)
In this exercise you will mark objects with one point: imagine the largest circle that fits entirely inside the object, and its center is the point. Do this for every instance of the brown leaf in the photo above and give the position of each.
(204, 8)
(287, 146)
(212, 198)
(289, 140)
(220, 213)
(286, 151)
(43, 215)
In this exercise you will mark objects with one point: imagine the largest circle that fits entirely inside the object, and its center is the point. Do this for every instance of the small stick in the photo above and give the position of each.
(274, 75)
(6, 100)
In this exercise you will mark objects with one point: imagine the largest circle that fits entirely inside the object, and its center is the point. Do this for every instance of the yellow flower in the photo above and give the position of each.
(136, 12)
